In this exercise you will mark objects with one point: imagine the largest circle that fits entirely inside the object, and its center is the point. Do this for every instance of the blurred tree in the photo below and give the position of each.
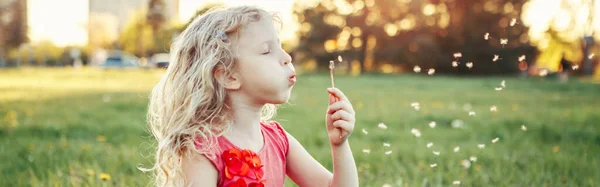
(395, 35)
(203, 9)
(13, 26)
(136, 37)
(156, 18)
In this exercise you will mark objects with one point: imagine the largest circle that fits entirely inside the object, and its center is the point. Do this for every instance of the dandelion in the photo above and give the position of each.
(386, 144)
(543, 72)
(481, 146)
(366, 151)
(382, 126)
(386, 185)
(495, 140)
(456, 182)
(433, 165)
(486, 36)
(498, 88)
(436, 153)
(90, 172)
(431, 71)
(493, 108)
(503, 83)
(471, 113)
(432, 124)
(473, 159)
(465, 163)
(503, 41)
(456, 149)
(415, 105)
(454, 64)
(521, 58)
(388, 152)
(496, 57)
(339, 58)
(364, 131)
(104, 176)
(101, 138)
(429, 144)
(555, 149)
(575, 67)
(469, 65)
(591, 56)
(457, 55)
(513, 22)
(417, 69)
(523, 128)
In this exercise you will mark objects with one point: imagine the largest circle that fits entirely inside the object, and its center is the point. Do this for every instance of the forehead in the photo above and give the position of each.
(257, 32)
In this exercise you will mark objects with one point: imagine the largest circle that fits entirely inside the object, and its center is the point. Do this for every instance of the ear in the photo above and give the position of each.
(229, 80)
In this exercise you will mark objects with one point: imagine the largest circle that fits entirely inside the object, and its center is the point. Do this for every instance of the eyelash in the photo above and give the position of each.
(269, 51)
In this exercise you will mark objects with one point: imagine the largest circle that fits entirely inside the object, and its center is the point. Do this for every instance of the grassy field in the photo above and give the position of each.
(65, 127)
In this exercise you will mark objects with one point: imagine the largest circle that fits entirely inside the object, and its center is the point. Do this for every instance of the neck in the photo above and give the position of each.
(246, 118)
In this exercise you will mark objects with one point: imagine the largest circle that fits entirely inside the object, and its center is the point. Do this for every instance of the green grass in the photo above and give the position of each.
(62, 127)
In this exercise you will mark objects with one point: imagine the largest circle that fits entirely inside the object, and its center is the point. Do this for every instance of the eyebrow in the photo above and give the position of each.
(270, 41)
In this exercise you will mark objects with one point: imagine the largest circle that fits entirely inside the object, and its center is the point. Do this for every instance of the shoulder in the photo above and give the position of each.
(199, 171)
(278, 133)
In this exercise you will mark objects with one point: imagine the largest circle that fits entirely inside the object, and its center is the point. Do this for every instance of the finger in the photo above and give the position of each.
(332, 99)
(345, 125)
(337, 93)
(340, 106)
(341, 115)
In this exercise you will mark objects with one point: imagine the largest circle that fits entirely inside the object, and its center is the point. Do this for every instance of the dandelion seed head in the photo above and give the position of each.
(481, 146)
(382, 126)
(429, 144)
(388, 152)
(471, 113)
(456, 182)
(465, 163)
(457, 123)
(366, 151)
(456, 149)
(523, 128)
(498, 88)
(331, 65)
(493, 108)
(386, 144)
(433, 165)
(386, 185)
(503, 83)
(436, 153)
(473, 159)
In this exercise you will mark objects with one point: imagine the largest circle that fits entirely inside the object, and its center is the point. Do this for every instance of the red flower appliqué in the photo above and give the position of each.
(243, 163)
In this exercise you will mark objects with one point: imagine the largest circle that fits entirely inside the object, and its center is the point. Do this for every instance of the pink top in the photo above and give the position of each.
(272, 158)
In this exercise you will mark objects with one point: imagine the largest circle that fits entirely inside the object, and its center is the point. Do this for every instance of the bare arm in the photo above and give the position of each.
(303, 169)
(199, 172)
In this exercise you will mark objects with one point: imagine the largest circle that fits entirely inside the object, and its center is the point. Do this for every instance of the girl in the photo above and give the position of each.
(210, 111)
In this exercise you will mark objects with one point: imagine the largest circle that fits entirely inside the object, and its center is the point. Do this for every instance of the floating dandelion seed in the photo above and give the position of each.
(432, 124)
(456, 182)
(456, 149)
(454, 64)
(382, 126)
(495, 140)
(457, 123)
(486, 36)
(493, 108)
(429, 144)
(471, 113)
(503, 83)
(465, 163)
(417, 69)
(436, 153)
(469, 65)
(503, 41)
(543, 72)
(591, 56)
(339, 58)
(496, 57)
(521, 58)
(498, 88)
(364, 131)
(388, 152)
(473, 159)
(431, 71)
(386, 145)
(523, 128)
(481, 146)
(415, 132)
(433, 165)
(575, 67)
(366, 151)
(457, 55)
(513, 22)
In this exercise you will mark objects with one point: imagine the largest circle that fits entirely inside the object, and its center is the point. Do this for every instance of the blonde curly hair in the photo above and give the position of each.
(188, 104)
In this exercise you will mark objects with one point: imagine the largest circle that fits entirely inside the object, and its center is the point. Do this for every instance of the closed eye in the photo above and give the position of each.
(267, 52)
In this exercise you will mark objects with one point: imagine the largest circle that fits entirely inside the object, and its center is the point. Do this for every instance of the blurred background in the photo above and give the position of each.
(75, 76)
